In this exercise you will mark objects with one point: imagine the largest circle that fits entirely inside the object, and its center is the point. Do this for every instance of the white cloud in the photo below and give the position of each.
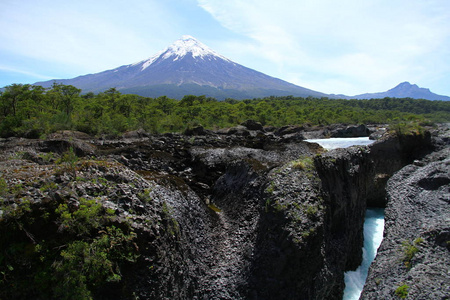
(366, 44)
(85, 35)
(24, 72)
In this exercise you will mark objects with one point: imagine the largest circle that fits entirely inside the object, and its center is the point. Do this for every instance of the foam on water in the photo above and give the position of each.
(373, 235)
(334, 143)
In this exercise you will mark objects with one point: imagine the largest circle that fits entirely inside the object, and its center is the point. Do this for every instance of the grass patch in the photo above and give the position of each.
(304, 163)
(214, 208)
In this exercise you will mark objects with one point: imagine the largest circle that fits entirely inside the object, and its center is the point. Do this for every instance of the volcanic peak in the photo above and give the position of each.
(182, 47)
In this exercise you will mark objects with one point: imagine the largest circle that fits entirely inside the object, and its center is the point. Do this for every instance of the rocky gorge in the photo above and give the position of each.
(243, 213)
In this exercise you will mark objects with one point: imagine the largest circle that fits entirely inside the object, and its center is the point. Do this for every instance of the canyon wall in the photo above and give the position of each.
(413, 259)
(243, 214)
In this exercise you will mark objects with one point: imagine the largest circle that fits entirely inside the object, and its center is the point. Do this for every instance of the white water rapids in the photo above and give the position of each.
(373, 226)
(334, 143)
(373, 235)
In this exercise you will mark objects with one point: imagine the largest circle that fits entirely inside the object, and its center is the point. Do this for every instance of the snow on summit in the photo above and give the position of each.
(188, 44)
(180, 48)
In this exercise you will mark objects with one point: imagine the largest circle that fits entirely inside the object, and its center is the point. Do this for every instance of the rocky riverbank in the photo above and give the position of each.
(243, 213)
(413, 260)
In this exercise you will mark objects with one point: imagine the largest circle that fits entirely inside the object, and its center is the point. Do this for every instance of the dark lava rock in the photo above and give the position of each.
(288, 130)
(253, 125)
(199, 130)
(69, 134)
(351, 131)
(377, 133)
(414, 257)
(239, 131)
(135, 134)
(242, 215)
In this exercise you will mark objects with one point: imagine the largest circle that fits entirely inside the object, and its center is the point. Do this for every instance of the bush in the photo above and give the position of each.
(84, 250)
(402, 291)
(81, 220)
(3, 187)
(407, 128)
(410, 250)
(86, 265)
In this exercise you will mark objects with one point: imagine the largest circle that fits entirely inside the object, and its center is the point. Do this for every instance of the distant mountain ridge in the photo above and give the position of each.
(404, 90)
(190, 67)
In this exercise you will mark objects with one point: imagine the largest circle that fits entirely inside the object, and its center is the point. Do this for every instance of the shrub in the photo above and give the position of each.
(85, 265)
(311, 210)
(410, 250)
(48, 186)
(47, 157)
(69, 160)
(402, 291)
(145, 196)
(3, 187)
(83, 219)
(407, 128)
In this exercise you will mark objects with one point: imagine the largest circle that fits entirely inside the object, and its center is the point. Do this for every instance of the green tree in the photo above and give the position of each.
(11, 98)
(66, 95)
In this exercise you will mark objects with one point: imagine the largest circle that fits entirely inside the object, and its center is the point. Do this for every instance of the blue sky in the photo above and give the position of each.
(343, 47)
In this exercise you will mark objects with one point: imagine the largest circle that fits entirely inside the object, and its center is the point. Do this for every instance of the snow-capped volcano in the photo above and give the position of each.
(187, 67)
(190, 67)
(187, 45)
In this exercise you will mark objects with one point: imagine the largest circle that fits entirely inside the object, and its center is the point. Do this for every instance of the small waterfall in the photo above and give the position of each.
(373, 225)
(373, 235)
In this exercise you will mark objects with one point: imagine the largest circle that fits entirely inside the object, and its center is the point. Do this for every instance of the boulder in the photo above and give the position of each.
(253, 125)
(199, 130)
(69, 134)
(351, 131)
(135, 134)
(288, 130)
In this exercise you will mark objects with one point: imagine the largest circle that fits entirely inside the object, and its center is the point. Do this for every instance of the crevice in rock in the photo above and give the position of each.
(251, 216)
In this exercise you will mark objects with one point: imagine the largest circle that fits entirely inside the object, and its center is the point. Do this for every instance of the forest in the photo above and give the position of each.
(34, 112)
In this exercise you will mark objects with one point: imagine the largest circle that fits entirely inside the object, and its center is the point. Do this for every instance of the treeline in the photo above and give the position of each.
(32, 111)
